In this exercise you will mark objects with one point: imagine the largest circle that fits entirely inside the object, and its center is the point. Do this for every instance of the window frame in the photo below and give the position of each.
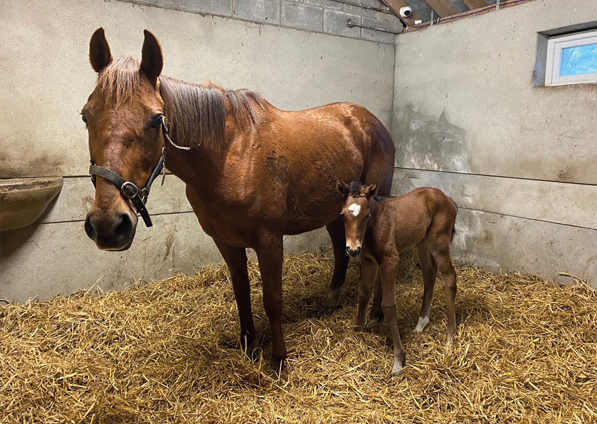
(555, 45)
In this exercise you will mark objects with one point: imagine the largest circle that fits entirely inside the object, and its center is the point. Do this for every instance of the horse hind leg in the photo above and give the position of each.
(336, 232)
(441, 254)
(429, 274)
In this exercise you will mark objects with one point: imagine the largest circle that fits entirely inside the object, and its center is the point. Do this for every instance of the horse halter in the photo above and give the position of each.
(129, 189)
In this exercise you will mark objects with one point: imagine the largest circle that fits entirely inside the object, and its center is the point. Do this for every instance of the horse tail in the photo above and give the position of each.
(454, 226)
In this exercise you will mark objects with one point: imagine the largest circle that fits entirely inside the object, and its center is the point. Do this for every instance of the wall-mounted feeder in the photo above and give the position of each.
(23, 200)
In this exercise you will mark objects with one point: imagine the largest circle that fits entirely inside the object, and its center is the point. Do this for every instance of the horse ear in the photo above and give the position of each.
(99, 50)
(370, 191)
(343, 188)
(152, 60)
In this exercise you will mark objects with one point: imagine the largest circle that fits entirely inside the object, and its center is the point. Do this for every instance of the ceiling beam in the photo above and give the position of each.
(395, 5)
(442, 7)
(475, 4)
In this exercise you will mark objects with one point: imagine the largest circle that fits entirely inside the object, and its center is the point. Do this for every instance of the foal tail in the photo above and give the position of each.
(454, 226)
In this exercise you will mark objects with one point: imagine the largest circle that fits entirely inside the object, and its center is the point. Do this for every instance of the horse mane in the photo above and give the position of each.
(196, 113)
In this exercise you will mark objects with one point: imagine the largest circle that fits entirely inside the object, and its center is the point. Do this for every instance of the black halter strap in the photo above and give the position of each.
(129, 189)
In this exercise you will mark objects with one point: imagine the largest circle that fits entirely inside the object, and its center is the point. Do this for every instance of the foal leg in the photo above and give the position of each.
(236, 259)
(369, 271)
(444, 264)
(429, 273)
(270, 254)
(336, 232)
(375, 313)
(388, 270)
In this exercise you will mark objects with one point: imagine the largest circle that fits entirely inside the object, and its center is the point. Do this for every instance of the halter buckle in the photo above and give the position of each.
(129, 190)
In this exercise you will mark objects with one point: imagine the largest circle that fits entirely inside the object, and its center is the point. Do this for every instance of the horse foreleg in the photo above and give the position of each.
(270, 254)
(368, 278)
(236, 259)
(388, 268)
(336, 232)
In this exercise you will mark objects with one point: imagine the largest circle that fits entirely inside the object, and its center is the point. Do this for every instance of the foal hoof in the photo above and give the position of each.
(376, 315)
(421, 324)
(397, 371)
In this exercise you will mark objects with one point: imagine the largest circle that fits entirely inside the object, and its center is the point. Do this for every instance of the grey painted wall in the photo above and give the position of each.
(46, 78)
(520, 161)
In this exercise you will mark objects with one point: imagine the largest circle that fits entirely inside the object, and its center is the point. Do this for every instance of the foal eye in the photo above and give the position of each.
(157, 121)
(84, 118)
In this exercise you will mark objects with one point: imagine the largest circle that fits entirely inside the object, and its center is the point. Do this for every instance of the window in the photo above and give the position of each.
(572, 59)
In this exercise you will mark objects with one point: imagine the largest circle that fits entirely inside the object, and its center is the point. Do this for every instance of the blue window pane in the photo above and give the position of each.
(579, 60)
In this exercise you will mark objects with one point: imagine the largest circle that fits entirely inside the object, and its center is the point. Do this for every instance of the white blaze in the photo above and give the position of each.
(355, 209)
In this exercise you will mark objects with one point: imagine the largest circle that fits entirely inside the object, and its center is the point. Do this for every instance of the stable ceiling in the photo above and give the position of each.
(445, 10)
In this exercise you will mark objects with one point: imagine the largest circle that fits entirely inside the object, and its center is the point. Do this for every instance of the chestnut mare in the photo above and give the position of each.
(250, 169)
(382, 229)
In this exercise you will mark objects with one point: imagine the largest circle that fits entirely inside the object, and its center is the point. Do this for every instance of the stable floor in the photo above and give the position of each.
(166, 352)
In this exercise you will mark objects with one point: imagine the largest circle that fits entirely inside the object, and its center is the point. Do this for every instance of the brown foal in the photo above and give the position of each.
(381, 229)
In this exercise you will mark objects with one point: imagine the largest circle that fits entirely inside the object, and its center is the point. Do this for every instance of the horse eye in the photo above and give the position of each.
(157, 121)
(84, 118)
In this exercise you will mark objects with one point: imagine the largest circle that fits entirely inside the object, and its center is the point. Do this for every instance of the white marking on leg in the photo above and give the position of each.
(423, 321)
(355, 209)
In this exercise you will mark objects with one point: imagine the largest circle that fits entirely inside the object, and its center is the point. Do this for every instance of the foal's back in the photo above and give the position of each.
(409, 217)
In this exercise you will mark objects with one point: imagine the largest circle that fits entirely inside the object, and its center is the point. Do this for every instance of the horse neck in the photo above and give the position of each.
(375, 210)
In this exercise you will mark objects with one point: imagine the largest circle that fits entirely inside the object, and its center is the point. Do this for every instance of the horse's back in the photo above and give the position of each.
(346, 125)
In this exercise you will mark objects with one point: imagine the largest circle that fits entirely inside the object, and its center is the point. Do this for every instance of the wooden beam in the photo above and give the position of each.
(475, 4)
(442, 7)
(395, 5)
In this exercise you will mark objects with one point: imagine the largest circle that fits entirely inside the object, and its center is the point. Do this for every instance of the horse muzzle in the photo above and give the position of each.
(353, 252)
(114, 230)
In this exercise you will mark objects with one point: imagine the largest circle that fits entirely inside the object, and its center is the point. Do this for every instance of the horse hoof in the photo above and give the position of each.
(396, 371)
(279, 367)
(333, 300)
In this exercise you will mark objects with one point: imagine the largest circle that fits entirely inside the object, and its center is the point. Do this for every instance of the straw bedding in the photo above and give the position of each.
(166, 352)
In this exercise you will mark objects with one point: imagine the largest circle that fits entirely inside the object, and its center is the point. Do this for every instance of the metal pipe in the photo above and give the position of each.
(351, 24)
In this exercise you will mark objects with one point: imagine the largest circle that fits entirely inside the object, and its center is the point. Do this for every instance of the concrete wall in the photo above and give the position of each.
(520, 161)
(46, 79)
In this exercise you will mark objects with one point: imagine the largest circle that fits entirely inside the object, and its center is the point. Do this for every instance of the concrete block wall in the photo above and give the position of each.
(327, 16)
(519, 160)
(46, 79)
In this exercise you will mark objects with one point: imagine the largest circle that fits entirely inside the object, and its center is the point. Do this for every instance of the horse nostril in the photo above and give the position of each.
(359, 250)
(347, 250)
(123, 225)
(90, 228)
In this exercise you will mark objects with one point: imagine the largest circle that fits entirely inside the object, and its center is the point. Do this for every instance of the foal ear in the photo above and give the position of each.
(152, 60)
(343, 188)
(99, 50)
(370, 191)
